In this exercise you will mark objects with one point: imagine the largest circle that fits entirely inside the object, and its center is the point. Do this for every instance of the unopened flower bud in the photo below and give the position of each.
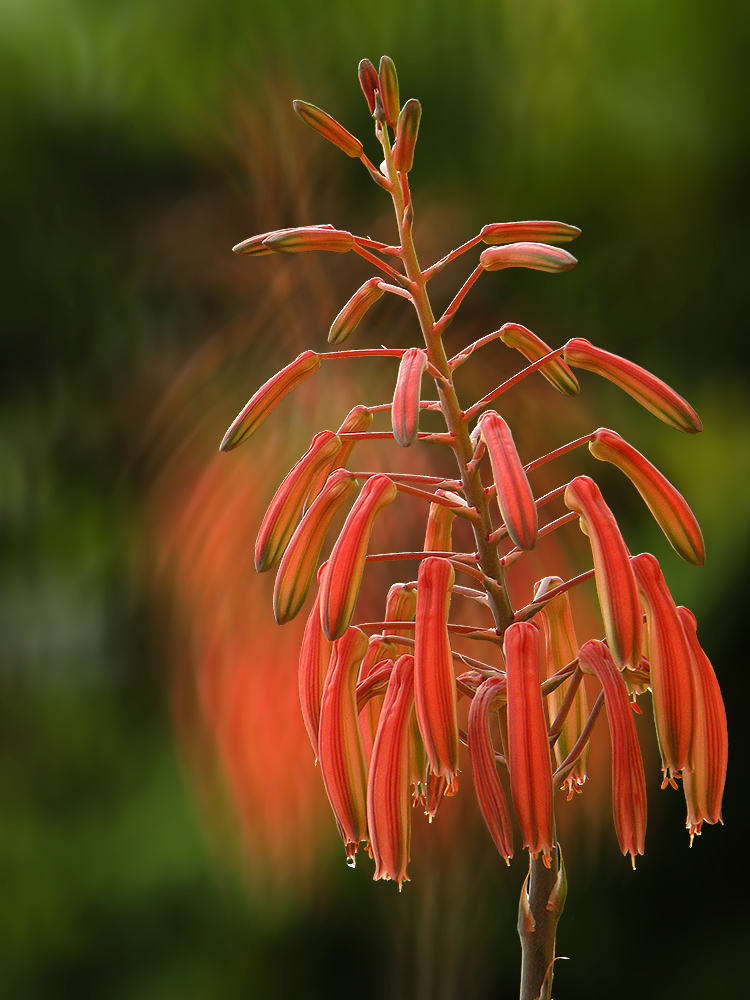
(490, 794)
(348, 319)
(328, 127)
(388, 87)
(310, 238)
(407, 397)
(533, 348)
(537, 256)
(514, 496)
(497, 233)
(368, 81)
(406, 135)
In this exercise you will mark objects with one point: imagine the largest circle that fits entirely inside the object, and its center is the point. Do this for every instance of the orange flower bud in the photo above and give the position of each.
(315, 655)
(439, 528)
(285, 508)
(406, 135)
(400, 606)
(434, 679)
(543, 232)
(340, 751)
(406, 399)
(310, 238)
(670, 666)
(388, 799)
(301, 557)
(514, 496)
(704, 785)
(357, 420)
(256, 246)
(644, 387)
(628, 782)
(348, 319)
(668, 506)
(347, 561)
(388, 87)
(615, 583)
(533, 348)
(268, 396)
(490, 794)
(368, 81)
(537, 256)
(562, 648)
(328, 127)
(528, 745)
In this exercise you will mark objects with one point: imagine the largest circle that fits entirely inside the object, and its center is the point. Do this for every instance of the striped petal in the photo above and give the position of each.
(669, 507)
(615, 583)
(489, 789)
(533, 348)
(267, 397)
(528, 744)
(406, 398)
(670, 666)
(514, 496)
(537, 256)
(347, 561)
(328, 127)
(644, 387)
(434, 679)
(628, 782)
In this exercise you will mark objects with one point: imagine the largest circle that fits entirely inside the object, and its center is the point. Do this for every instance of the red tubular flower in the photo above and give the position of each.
(406, 135)
(328, 127)
(305, 238)
(388, 87)
(372, 683)
(528, 744)
(514, 232)
(537, 256)
(644, 387)
(284, 510)
(340, 750)
(348, 319)
(562, 648)
(347, 561)
(314, 657)
(628, 782)
(406, 398)
(490, 794)
(668, 506)
(514, 496)
(301, 557)
(439, 528)
(400, 606)
(615, 583)
(704, 785)
(533, 348)
(267, 397)
(670, 666)
(388, 799)
(434, 679)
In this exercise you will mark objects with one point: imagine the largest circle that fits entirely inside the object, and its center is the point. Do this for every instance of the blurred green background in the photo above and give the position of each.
(141, 139)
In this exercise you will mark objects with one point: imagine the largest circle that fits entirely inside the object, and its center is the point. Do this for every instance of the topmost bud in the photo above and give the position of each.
(368, 81)
(388, 87)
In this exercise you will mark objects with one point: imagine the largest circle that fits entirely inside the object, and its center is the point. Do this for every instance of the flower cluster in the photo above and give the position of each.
(381, 700)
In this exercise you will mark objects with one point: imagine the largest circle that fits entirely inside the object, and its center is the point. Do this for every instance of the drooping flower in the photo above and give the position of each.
(314, 658)
(514, 496)
(489, 789)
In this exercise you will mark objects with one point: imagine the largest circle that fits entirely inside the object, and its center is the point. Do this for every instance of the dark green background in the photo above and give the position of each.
(628, 118)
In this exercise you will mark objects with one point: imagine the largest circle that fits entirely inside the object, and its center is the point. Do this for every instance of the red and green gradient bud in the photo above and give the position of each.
(340, 751)
(535, 230)
(533, 348)
(268, 397)
(314, 658)
(615, 583)
(284, 510)
(529, 760)
(514, 496)
(628, 781)
(562, 648)
(328, 127)
(406, 135)
(301, 557)
(310, 238)
(438, 537)
(388, 87)
(407, 396)
(347, 561)
(489, 789)
(389, 780)
(669, 507)
(670, 667)
(704, 785)
(434, 679)
(349, 318)
(368, 81)
(655, 395)
(537, 256)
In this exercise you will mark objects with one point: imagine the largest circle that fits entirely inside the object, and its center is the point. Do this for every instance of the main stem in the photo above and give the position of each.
(543, 893)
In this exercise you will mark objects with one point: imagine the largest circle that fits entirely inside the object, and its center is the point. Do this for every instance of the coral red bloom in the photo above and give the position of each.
(615, 583)
(628, 782)
(528, 744)
(340, 750)
(406, 398)
(514, 496)
(490, 794)
(670, 666)
(434, 679)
